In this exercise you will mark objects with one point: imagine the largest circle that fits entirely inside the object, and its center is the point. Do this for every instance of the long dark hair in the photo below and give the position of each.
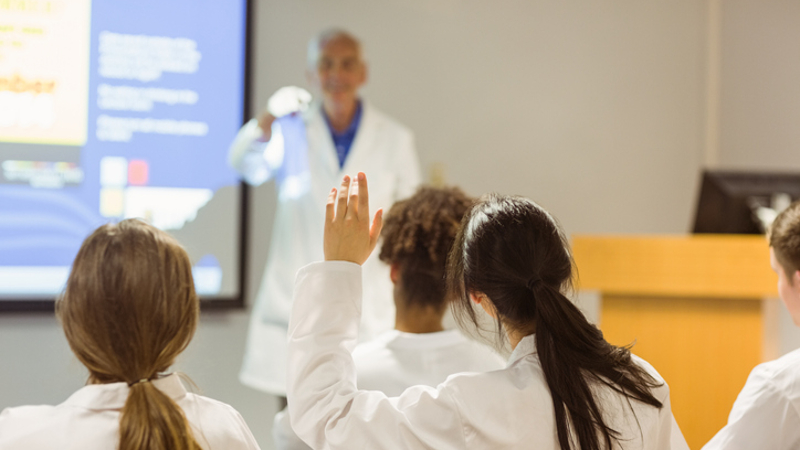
(513, 251)
(129, 309)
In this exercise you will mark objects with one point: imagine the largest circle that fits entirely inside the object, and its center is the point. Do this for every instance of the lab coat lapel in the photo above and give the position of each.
(363, 143)
(322, 135)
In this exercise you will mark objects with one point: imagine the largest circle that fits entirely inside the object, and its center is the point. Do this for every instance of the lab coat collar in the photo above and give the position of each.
(112, 396)
(526, 347)
(446, 338)
(362, 144)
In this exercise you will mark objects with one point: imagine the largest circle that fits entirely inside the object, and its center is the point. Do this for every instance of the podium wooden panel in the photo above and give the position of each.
(694, 307)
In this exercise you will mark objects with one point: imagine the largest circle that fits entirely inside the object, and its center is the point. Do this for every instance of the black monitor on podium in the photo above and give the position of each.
(743, 202)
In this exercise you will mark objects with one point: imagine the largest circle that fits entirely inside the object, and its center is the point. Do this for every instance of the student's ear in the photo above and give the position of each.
(476, 297)
(481, 299)
(796, 280)
(394, 273)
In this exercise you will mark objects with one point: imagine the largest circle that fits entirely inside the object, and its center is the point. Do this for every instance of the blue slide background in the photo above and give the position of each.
(44, 227)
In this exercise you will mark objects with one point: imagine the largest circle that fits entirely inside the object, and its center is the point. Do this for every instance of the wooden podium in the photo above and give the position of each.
(701, 309)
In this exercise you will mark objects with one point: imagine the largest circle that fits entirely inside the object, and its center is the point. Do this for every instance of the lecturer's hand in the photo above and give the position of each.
(348, 234)
(286, 100)
(265, 120)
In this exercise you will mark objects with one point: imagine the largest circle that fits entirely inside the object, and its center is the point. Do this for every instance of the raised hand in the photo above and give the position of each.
(348, 233)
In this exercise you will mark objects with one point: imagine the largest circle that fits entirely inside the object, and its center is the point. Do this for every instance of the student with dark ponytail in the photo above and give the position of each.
(564, 386)
(128, 310)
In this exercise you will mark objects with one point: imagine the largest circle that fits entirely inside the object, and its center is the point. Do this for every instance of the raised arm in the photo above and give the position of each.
(326, 409)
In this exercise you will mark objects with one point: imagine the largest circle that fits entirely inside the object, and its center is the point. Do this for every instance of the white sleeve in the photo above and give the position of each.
(326, 409)
(247, 157)
(670, 436)
(284, 436)
(762, 417)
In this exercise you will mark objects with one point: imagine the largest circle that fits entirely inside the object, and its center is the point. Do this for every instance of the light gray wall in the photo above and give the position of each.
(760, 98)
(760, 92)
(594, 109)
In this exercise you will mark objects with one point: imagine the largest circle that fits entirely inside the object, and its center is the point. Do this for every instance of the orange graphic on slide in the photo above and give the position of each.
(44, 72)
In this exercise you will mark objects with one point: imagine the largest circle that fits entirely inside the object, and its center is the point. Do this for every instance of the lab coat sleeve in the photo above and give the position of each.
(248, 159)
(670, 436)
(326, 409)
(762, 417)
(284, 436)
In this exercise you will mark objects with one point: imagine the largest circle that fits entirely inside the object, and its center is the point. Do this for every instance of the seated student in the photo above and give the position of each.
(129, 309)
(564, 387)
(417, 235)
(766, 414)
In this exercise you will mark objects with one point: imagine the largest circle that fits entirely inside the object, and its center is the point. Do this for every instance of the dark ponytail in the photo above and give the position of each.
(513, 251)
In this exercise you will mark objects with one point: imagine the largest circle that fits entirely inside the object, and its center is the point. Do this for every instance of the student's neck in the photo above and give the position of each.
(417, 319)
(340, 115)
(514, 337)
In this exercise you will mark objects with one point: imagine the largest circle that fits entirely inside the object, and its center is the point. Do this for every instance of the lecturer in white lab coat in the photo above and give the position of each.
(564, 387)
(306, 153)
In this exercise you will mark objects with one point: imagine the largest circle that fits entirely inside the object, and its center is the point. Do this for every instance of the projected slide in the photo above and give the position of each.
(112, 109)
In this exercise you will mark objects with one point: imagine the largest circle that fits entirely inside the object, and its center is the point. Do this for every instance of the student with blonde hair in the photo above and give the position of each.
(766, 414)
(128, 310)
(564, 386)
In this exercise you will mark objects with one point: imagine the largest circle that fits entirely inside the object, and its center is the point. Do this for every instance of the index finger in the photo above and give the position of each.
(363, 197)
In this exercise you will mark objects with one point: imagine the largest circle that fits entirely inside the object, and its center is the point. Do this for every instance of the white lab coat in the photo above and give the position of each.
(766, 414)
(395, 361)
(504, 409)
(384, 150)
(89, 420)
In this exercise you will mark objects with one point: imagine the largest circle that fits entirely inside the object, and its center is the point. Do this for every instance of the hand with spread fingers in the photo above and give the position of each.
(348, 233)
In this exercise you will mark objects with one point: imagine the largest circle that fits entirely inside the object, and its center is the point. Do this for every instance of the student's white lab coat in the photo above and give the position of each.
(766, 414)
(395, 361)
(504, 409)
(89, 420)
(384, 150)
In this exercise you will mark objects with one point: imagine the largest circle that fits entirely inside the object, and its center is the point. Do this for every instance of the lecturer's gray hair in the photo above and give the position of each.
(317, 42)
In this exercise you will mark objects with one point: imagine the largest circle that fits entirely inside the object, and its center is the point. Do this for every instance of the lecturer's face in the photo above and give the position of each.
(340, 72)
(788, 287)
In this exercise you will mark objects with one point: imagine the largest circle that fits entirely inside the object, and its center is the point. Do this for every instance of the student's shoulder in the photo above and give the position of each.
(483, 356)
(661, 391)
(25, 412)
(378, 344)
(30, 426)
(210, 405)
(781, 375)
(220, 424)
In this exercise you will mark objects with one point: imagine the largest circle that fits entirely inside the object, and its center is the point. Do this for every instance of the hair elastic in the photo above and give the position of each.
(533, 282)
(143, 380)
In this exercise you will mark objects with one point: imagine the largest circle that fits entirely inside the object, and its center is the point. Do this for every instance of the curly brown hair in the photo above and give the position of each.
(784, 238)
(417, 235)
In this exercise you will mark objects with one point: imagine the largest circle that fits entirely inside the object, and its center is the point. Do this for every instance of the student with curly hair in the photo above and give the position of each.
(416, 237)
(564, 386)
(129, 309)
(766, 414)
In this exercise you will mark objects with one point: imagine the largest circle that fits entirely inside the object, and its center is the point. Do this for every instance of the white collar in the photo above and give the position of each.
(112, 396)
(525, 347)
(445, 338)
